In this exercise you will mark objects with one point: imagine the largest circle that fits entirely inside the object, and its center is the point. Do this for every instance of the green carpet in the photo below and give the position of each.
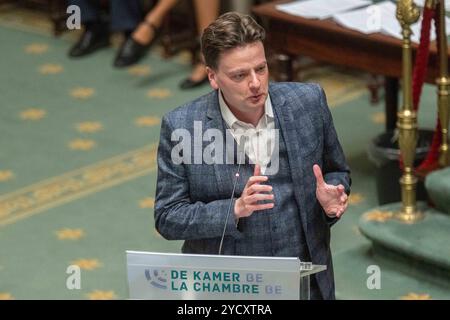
(77, 163)
(59, 149)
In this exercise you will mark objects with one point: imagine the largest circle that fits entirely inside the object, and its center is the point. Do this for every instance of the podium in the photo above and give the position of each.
(169, 276)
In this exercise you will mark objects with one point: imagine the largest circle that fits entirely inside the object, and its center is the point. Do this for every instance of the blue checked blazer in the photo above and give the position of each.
(192, 199)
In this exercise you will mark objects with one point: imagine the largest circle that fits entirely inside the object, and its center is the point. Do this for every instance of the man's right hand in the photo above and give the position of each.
(253, 192)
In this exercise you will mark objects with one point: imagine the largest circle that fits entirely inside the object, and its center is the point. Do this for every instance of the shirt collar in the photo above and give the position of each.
(231, 119)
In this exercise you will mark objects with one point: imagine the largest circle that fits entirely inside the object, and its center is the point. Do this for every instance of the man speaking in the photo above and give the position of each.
(283, 182)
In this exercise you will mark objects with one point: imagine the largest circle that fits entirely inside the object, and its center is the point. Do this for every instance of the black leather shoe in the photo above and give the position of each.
(189, 83)
(89, 42)
(132, 51)
(129, 53)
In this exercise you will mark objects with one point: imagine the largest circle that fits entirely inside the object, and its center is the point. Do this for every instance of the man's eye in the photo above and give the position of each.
(261, 69)
(239, 76)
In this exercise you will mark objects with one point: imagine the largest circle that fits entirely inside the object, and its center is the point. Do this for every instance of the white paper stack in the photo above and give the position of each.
(368, 19)
(320, 9)
(381, 18)
(360, 15)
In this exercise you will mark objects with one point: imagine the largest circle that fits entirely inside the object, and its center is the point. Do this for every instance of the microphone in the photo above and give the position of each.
(236, 178)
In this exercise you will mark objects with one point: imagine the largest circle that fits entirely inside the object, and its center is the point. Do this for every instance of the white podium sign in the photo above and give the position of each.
(165, 276)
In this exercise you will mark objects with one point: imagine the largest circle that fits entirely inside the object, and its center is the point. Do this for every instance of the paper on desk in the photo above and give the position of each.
(381, 18)
(368, 19)
(396, 31)
(320, 9)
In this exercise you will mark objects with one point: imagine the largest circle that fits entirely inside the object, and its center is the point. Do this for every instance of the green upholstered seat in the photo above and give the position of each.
(437, 184)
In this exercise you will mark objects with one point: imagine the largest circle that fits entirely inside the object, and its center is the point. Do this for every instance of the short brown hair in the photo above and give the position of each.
(229, 31)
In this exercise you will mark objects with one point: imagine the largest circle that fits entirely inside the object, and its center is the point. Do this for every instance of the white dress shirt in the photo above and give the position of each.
(261, 139)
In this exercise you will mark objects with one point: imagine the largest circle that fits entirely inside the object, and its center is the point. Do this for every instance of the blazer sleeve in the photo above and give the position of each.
(335, 169)
(176, 217)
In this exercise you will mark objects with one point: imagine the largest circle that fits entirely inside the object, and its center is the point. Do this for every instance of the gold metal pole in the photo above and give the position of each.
(443, 83)
(407, 14)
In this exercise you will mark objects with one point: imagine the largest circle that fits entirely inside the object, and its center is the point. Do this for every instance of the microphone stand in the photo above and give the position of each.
(230, 205)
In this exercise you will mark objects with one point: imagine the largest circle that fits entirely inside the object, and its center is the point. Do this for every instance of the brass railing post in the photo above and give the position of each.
(407, 14)
(443, 83)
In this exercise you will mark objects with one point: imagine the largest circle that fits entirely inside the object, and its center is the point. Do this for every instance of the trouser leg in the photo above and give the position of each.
(125, 15)
(89, 9)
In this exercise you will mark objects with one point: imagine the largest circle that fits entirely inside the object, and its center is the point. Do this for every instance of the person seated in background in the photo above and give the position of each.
(206, 11)
(140, 33)
(123, 16)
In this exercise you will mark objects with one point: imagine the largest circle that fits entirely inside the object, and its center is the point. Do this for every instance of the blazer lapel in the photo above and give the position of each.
(224, 172)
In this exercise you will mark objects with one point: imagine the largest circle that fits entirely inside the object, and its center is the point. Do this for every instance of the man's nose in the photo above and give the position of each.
(254, 80)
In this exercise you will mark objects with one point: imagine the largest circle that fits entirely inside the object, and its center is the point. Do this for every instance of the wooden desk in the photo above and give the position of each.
(327, 41)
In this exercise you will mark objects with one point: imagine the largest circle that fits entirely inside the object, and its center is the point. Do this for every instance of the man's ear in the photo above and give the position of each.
(212, 78)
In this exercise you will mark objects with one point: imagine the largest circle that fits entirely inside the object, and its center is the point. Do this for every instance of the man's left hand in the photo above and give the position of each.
(333, 199)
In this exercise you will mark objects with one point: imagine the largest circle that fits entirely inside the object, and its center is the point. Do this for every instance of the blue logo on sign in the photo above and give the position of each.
(157, 278)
